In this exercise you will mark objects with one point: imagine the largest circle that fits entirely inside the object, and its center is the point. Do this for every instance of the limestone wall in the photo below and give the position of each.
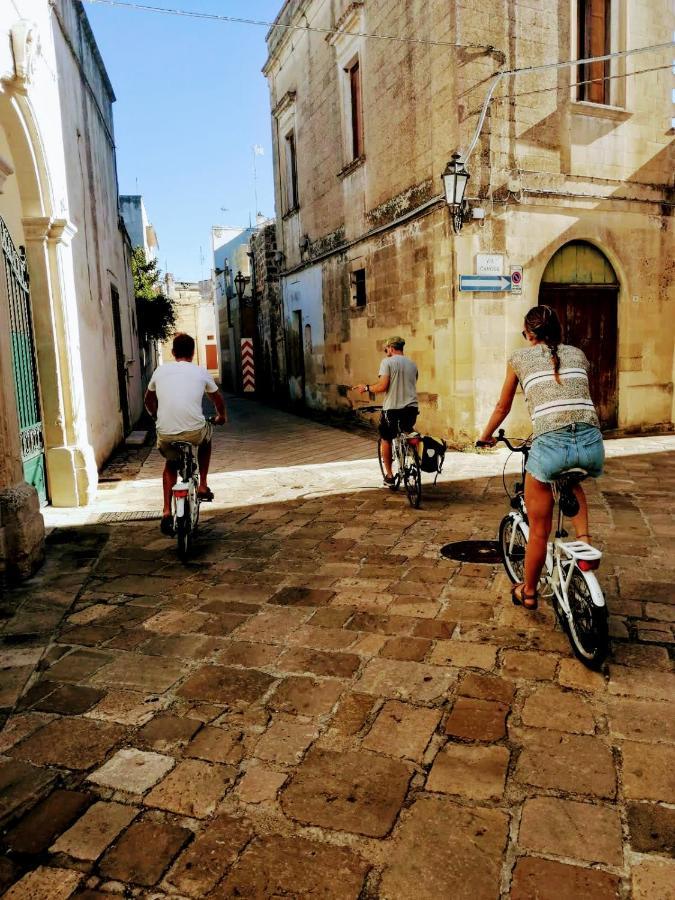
(546, 170)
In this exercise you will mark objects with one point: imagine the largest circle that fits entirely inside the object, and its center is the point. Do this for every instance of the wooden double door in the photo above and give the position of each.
(588, 314)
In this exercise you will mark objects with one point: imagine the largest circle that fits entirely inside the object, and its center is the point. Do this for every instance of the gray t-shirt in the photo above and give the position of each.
(402, 390)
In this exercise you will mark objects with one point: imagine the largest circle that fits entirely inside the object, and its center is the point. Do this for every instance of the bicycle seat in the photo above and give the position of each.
(572, 476)
(178, 445)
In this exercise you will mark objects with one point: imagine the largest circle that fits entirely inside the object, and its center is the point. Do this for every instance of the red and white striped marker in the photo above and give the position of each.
(247, 365)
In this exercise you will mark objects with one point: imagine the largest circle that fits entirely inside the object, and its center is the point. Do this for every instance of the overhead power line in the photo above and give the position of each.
(509, 97)
(237, 20)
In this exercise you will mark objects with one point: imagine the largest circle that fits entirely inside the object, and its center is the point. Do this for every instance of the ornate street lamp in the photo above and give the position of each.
(240, 285)
(455, 178)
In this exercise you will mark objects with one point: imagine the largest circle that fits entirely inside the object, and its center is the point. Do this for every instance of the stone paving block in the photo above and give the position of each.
(69, 699)
(145, 673)
(576, 830)
(260, 784)
(129, 859)
(641, 720)
(574, 674)
(407, 648)
(36, 831)
(641, 682)
(528, 664)
(402, 730)
(369, 645)
(180, 646)
(434, 629)
(477, 773)
(652, 878)
(93, 833)
(21, 786)
(477, 720)
(194, 788)
(175, 622)
(548, 880)
(652, 828)
(78, 665)
(464, 654)
(380, 624)
(223, 625)
(201, 866)
(132, 585)
(580, 764)
(358, 792)
(322, 638)
(486, 687)
(125, 707)
(133, 771)
(301, 596)
(96, 611)
(272, 625)
(167, 732)
(247, 654)
(640, 655)
(462, 855)
(352, 714)
(306, 697)
(286, 740)
(550, 707)
(648, 771)
(20, 726)
(220, 684)
(70, 743)
(279, 866)
(218, 745)
(404, 680)
(330, 617)
(317, 662)
(45, 883)
(12, 682)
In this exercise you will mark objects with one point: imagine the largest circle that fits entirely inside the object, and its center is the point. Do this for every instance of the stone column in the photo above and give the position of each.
(72, 474)
(22, 530)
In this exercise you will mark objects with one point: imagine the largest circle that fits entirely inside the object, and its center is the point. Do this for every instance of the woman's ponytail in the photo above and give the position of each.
(544, 324)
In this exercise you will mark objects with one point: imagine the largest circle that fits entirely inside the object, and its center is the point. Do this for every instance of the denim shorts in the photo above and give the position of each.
(574, 446)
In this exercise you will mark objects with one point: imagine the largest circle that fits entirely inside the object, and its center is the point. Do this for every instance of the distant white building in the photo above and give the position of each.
(141, 232)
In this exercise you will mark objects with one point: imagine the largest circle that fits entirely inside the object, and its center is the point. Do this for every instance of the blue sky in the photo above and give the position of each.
(191, 103)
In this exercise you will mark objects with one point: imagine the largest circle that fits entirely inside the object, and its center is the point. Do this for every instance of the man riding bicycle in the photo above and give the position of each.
(398, 382)
(174, 397)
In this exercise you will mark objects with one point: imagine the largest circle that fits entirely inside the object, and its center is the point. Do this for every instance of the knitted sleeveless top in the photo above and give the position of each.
(552, 405)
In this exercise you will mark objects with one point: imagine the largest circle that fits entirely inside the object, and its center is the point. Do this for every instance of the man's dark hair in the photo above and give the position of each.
(183, 346)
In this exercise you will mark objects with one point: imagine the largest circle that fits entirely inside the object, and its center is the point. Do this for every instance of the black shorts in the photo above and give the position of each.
(393, 419)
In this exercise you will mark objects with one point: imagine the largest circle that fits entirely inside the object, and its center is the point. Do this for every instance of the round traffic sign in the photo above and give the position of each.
(516, 277)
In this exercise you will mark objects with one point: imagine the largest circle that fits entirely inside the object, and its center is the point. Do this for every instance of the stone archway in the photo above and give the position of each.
(581, 285)
(72, 474)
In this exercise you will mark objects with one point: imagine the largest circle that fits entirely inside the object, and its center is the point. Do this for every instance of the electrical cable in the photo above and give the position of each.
(216, 17)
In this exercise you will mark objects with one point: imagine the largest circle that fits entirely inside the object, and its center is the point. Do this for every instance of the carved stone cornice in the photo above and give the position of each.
(5, 171)
(285, 103)
(350, 20)
(62, 231)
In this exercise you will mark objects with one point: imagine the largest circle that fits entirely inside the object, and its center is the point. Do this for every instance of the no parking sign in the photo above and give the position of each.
(516, 279)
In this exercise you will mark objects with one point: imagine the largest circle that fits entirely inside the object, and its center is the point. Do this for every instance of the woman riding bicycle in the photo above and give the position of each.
(554, 377)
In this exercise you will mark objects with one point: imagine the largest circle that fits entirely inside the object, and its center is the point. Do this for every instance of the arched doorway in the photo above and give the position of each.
(581, 285)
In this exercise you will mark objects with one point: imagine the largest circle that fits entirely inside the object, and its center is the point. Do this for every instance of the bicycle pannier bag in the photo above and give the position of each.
(432, 454)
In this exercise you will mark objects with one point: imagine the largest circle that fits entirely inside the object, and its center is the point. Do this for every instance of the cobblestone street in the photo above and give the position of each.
(320, 705)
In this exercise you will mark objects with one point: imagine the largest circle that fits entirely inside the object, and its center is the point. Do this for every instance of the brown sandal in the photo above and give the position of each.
(520, 599)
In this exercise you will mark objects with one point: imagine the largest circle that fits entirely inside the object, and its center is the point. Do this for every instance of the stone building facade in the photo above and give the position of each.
(571, 178)
(266, 290)
(195, 308)
(68, 348)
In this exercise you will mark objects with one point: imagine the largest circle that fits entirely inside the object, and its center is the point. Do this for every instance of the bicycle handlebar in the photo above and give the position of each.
(524, 448)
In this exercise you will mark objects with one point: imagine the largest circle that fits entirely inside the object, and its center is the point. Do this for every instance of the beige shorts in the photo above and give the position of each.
(200, 436)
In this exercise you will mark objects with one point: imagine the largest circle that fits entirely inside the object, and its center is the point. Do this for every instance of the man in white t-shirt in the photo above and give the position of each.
(398, 382)
(174, 397)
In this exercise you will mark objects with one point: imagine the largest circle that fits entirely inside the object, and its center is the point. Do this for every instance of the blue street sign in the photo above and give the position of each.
(485, 282)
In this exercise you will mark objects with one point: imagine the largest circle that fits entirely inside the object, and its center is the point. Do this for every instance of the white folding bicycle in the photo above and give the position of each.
(568, 576)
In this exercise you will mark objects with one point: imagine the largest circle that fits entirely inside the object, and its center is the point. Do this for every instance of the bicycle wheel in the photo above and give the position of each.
(588, 626)
(412, 478)
(379, 457)
(184, 534)
(513, 557)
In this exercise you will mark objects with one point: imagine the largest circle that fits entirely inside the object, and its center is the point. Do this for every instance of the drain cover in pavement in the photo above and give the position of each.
(129, 516)
(473, 551)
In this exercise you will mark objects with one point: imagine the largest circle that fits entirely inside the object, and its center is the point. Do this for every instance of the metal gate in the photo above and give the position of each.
(24, 364)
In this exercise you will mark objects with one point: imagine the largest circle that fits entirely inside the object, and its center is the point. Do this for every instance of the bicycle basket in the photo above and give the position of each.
(432, 454)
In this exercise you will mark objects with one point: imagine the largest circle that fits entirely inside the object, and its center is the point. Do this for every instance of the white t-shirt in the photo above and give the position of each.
(180, 388)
